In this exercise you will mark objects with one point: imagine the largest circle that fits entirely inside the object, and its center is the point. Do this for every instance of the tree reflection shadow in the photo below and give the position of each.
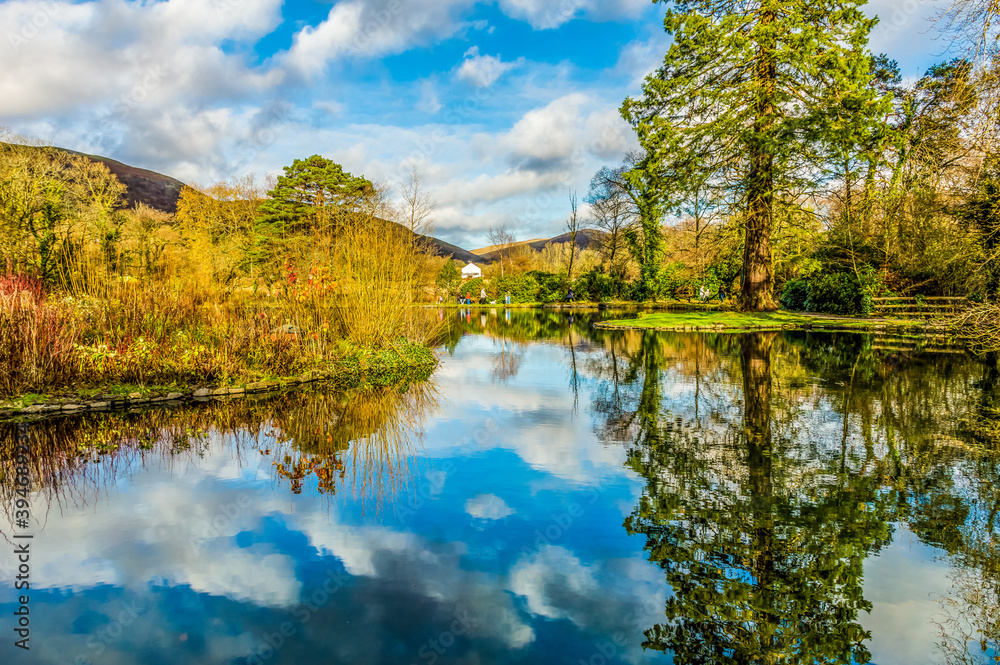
(363, 440)
(762, 512)
(763, 553)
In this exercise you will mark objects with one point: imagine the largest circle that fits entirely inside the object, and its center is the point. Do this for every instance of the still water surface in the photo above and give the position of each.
(555, 494)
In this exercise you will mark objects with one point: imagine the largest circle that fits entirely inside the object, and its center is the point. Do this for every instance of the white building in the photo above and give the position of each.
(471, 271)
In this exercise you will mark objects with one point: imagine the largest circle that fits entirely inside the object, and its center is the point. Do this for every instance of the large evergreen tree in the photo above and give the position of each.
(749, 96)
(310, 195)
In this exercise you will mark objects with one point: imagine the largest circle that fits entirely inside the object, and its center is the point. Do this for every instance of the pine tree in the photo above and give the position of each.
(748, 99)
(310, 195)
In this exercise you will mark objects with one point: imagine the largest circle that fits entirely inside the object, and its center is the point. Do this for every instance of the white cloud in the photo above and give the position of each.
(549, 14)
(488, 507)
(549, 134)
(482, 70)
(490, 188)
(372, 28)
(125, 55)
(565, 131)
(641, 58)
(314, 46)
(331, 107)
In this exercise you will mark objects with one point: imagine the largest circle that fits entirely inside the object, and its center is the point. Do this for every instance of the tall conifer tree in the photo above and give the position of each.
(749, 98)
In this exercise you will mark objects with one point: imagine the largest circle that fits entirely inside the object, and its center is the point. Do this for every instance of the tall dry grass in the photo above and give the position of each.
(377, 264)
(37, 337)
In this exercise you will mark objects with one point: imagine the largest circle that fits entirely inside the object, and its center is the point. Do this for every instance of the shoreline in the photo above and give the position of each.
(66, 401)
(728, 321)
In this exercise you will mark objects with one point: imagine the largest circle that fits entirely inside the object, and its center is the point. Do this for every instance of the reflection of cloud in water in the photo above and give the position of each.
(172, 535)
(169, 528)
(554, 582)
(902, 583)
(411, 564)
(488, 507)
(539, 423)
(600, 598)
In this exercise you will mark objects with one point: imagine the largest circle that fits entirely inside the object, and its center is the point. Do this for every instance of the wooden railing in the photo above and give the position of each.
(928, 307)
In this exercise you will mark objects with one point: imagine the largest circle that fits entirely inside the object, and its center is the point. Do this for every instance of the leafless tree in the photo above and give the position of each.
(502, 240)
(572, 227)
(614, 213)
(974, 24)
(417, 206)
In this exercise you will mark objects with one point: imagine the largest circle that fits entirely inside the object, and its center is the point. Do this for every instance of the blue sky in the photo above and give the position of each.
(503, 106)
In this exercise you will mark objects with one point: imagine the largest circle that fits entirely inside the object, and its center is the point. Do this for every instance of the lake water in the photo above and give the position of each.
(555, 494)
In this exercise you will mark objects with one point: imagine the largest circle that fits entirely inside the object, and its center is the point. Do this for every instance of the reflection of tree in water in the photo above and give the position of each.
(762, 514)
(928, 425)
(371, 435)
(970, 620)
(507, 360)
(763, 549)
(983, 425)
(521, 325)
(364, 436)
(628, 392)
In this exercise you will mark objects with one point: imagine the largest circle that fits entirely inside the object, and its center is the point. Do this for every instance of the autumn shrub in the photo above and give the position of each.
(37, 337)
(375, 265)
(213, 295)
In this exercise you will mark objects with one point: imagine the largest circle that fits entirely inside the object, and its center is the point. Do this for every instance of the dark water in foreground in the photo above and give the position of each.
(556, 494)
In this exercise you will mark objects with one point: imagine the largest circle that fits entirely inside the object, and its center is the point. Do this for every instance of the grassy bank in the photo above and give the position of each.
(360, 369)
(720, 320)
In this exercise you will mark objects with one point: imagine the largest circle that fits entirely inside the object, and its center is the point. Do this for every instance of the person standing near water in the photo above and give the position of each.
(482, 296)
(722, 295)
(506, 298)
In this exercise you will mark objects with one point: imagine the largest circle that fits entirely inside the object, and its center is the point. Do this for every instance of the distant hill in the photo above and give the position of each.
(492, 248)
(446, 249)
(154, 189)
(585, 239)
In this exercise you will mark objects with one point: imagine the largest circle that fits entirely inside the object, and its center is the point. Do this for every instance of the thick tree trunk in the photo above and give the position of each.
(757, 283)
(755, 356)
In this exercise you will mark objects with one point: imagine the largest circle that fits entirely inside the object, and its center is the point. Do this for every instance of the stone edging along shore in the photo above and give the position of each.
(82, 404)
(64, 405)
